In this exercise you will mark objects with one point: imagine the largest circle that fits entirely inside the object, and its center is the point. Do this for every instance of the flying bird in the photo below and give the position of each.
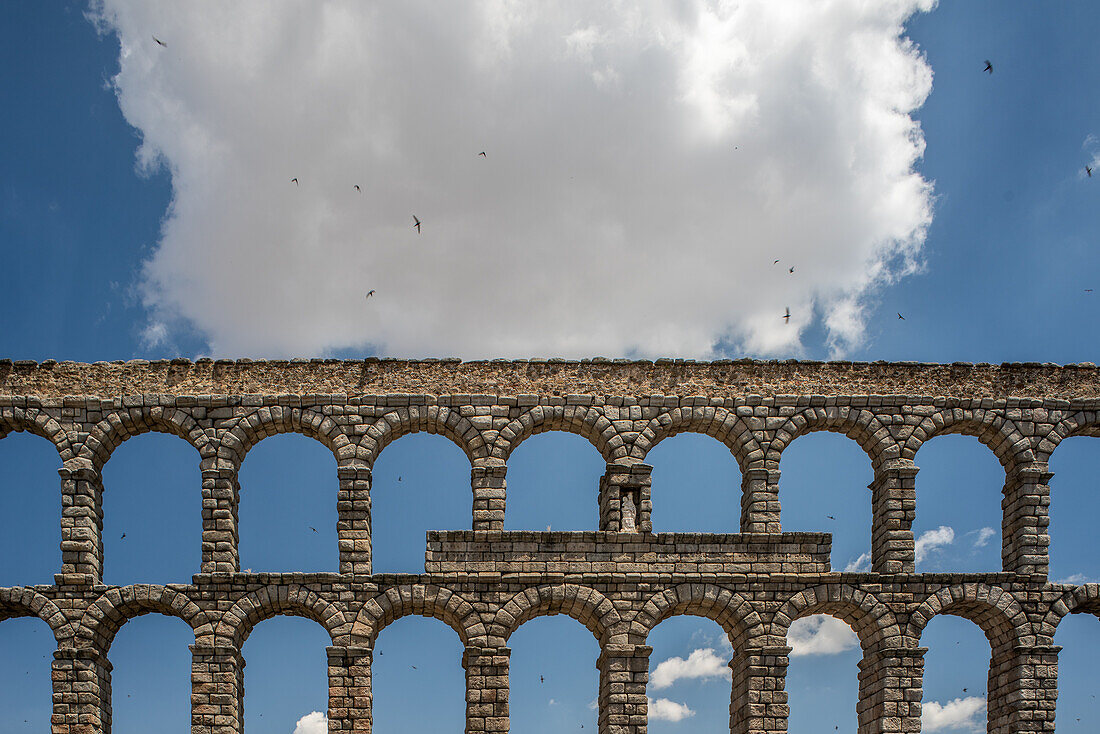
(1088, 290)
(160, 42)
(964, 690)
(775, 261)
(123, 536)
(1088, 170)
(988, 66)
(482, 154)
(370, 293)
(830, 517)
(901, 317)
(357, 188)
(295, 180)
(541, 679)
(416, 223)
(787, 316)
(313, 528)
(790, 269)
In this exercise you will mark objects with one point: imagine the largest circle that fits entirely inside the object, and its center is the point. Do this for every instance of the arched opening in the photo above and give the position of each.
(823, 488)
(689, 676)
(26, 688)
(417, 679)
(1078, 676)
(152, 511)
(553, 692)
(1074, 506)
(420, 482)
(956, 674)
(286, 676)
(30, 503)
(823, 674)
(554, 484)
(151, 678)
(696, 485)
(287, 513)
(959, 489)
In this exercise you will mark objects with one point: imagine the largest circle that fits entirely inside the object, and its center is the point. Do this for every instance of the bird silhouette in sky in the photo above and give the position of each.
(964, 690)
(313, 528)
(790, 269)
(482, 154)
(123, 536)
(160, 42)
(1088, 171)
(988, 66)
(901, 317)
(416, 223)
(830, 517)
(541, 679)
(357, 188)
(787, 316)
(295, 180)
(775, 261)
(1088, 290)
(370, 293)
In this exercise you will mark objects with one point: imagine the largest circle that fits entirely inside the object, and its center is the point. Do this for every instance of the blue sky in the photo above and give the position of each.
(1001, 272)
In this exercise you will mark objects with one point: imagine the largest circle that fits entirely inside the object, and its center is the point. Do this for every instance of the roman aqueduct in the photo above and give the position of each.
(619, 579)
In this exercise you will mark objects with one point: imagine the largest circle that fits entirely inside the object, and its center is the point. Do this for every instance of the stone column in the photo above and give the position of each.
(624, 673)
(81, 526)
(490, 488)
(81, 692)
(221, 494)
(1025, 544)
(486, 689)
(349, 689)
(217, 690)
(891, 682)
(353, 523)
(1023, 689)
(632, 480)
(760, 501)
(893, 508)
(758, 700)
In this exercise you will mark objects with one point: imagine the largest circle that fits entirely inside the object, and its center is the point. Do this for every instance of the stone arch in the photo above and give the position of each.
(1084, 599)
(20, 601)
(871, 620)
(117, 427)
(990, 427)
(1081, 423)
(117, 606)
(424, 600)
(862, 426)
(729, 609)
(583, 420)
(715, 421)
(588, 606)
(38, 422)
(292, 600)
(437, 419)
(240, 436)
(993, 609)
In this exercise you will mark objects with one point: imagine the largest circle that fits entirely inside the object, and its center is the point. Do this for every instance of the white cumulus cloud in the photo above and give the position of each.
(820, 635)
(932, 540)
(863, 563)
(665, 710)
(701, 663)
(960, 714)
(645, 164)
(312, 723)
(984, 536)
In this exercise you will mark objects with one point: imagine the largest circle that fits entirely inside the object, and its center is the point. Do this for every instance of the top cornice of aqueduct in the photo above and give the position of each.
(52, 380)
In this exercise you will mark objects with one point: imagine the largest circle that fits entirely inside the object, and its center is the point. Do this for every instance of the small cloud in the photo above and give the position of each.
(594, 704)
(863, 563)
(155, 334)
(1076, 579)
(665, 710)
(312, 723)
(961, 714)
(984, 536)
(701, 663)
(932, 540)
(820, 635)
(553, 702)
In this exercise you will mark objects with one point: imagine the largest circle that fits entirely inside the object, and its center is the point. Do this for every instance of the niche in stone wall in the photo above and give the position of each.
(151, 679)
(420, 482)
(823, 674)
(287, 511)
(26, 690)
(689, 676)
(959, 487)
(285, 676)
(152, 511)
(553, 678)
(554, 483)
(417, 678)
(696, 485)
(956, 675)
(823, 488)
(30, 504)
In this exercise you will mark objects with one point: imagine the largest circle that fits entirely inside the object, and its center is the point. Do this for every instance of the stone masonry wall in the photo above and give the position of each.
(619, 579)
